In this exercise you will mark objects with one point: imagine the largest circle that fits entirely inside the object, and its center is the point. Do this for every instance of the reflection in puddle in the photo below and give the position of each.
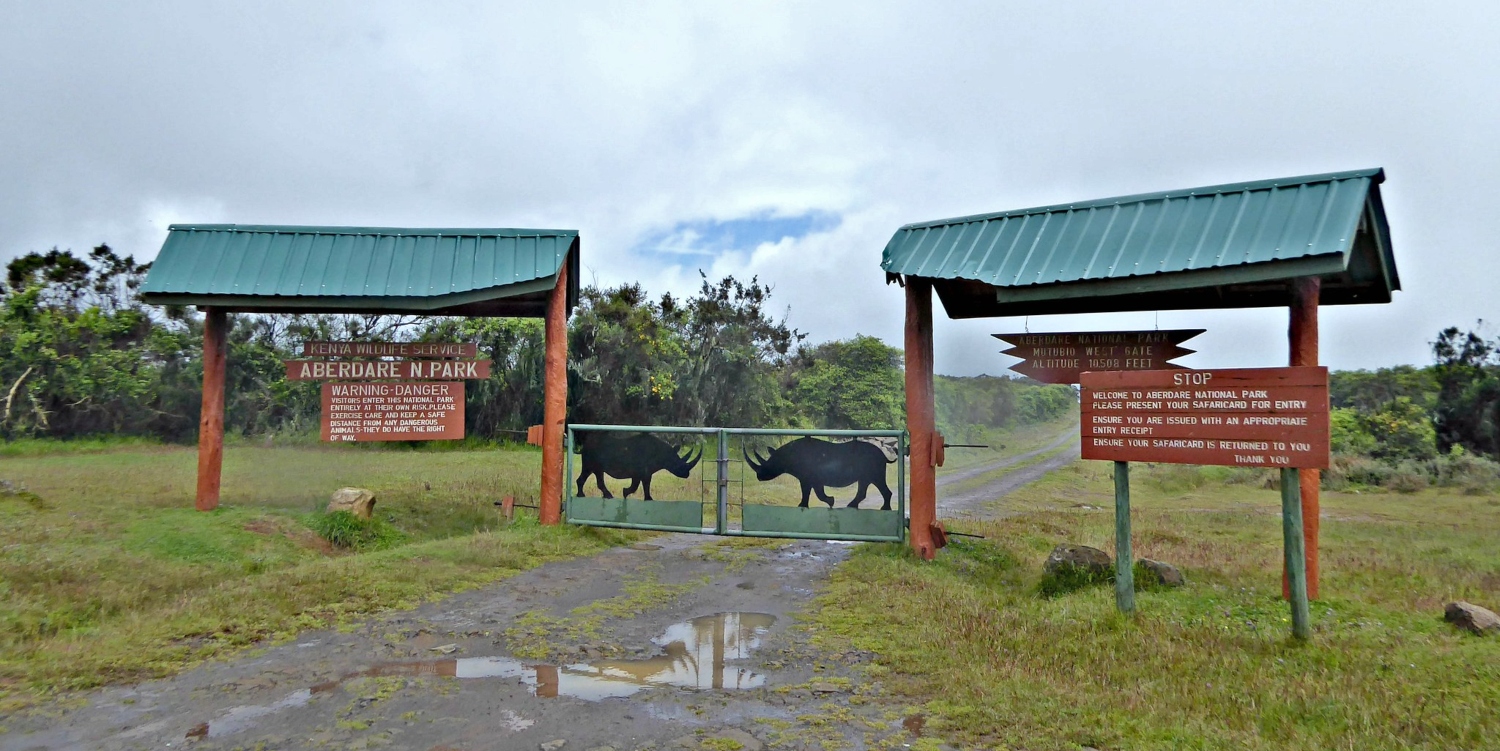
(694, 655)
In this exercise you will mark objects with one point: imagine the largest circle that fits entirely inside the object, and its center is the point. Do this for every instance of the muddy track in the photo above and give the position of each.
(971, 502)
(950, 478)
(668, 644)
(680, 643)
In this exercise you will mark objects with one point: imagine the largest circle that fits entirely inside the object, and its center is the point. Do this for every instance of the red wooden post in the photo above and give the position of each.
(554, 400)
(1302, 334)
(920, 415)
(211, 419)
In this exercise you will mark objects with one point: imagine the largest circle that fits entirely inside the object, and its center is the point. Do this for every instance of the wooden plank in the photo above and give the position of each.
(370, 370)
(1267, 417)
(422, 411)
(1063, 357)
(427, 350)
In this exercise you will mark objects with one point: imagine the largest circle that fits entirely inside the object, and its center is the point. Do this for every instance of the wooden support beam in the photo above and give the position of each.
(921, 415)
(1302, 335)
(1124, 557)
(211, 415)
(554, 400)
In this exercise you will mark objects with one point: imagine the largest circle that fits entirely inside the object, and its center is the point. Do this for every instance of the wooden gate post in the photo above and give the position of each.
(920, 414)
(554, 400)
(211, 416)
(1302, 335)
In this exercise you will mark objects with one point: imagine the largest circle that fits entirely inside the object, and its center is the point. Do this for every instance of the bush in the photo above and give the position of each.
(1461, 469)
(345, 530)
(1069, 578)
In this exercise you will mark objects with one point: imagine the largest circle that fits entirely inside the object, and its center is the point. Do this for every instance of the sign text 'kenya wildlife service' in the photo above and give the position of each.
(1247, 417)
(1062, 357)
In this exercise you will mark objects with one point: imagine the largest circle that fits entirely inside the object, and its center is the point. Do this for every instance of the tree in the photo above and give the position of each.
(851, 384)
(1467, 411)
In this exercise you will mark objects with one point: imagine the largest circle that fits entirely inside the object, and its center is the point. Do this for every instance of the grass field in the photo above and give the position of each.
(1210, 666)
(107, 574)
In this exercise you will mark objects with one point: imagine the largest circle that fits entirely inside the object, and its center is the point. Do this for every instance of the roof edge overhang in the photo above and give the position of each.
(523, 299)
(1375, 174)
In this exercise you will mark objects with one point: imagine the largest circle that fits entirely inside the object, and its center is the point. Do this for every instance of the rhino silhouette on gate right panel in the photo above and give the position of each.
(819, 464)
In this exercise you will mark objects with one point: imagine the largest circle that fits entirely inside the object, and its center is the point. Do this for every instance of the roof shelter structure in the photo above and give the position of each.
(236, 268)
(1298, 242)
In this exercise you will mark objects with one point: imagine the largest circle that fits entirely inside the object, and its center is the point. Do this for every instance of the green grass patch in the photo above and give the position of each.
(1206, 666)
(345, 530)
(114, 577)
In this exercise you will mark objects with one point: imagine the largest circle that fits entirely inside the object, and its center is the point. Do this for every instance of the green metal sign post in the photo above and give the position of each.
(1124, 559)
(1296, 568)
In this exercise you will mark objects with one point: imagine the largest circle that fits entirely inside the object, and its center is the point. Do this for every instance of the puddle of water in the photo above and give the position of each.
(695, 655)
(914, 724)
(241, 718)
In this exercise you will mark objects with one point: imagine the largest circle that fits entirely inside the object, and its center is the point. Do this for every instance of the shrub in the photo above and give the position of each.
(1069, 578)
(1461, 469)
(345, 530)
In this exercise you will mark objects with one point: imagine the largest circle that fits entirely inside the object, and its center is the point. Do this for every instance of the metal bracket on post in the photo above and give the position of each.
(1124, 558)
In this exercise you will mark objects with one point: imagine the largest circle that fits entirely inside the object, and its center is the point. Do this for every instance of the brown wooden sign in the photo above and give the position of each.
(425, 350)
(342, 370)
(1248, 417)
(1062, 357)
(393, 411)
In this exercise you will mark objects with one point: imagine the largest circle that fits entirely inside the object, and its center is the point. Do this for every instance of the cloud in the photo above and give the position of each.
(684, 136)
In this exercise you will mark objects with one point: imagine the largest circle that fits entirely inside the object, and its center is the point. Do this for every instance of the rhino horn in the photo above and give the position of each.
(693, 462)
(748, 460)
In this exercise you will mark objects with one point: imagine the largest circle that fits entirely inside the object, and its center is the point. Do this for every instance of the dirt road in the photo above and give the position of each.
(964, 493)
(678, 643)
(661, 647)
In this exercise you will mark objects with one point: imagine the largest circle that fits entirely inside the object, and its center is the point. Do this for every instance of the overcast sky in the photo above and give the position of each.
(779, 140)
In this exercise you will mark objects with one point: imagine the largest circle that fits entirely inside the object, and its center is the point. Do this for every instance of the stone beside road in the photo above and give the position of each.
(357, 501)
(1092, 560)
(1471, 617)
(1164, 574)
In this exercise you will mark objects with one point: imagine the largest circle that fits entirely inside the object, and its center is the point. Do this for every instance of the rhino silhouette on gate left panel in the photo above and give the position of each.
(635, 457)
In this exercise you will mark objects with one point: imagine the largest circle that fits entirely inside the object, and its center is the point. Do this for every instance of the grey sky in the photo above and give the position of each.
(680, 136)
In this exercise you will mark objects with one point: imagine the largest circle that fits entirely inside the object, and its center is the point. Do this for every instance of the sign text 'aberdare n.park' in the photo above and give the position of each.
(343, 370)
(1061, 357)
(424, 411)
(1246, 417)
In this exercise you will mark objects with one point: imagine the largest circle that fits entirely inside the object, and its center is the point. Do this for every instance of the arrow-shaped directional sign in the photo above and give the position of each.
(1061, 357)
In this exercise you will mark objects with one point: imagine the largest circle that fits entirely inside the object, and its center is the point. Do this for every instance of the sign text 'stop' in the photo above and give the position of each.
(429, 350)
(1063, 357)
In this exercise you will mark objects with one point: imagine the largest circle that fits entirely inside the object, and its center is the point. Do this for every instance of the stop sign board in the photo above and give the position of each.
(1245, 417)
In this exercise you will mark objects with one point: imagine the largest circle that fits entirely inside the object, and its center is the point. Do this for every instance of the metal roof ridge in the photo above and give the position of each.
(293, 229)
(1377, 174)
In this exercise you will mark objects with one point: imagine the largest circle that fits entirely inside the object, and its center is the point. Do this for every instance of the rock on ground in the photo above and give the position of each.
(1472, 617)
(1163, 574)
(357, 501)
(1092, 560)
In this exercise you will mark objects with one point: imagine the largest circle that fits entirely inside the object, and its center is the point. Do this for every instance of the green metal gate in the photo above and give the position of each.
(727, 497)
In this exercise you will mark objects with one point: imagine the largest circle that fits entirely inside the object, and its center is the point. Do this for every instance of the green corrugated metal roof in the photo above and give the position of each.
(361, 269)
(1220, 246)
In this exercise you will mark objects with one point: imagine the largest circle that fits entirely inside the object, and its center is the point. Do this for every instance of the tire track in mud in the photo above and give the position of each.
(970, 503)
